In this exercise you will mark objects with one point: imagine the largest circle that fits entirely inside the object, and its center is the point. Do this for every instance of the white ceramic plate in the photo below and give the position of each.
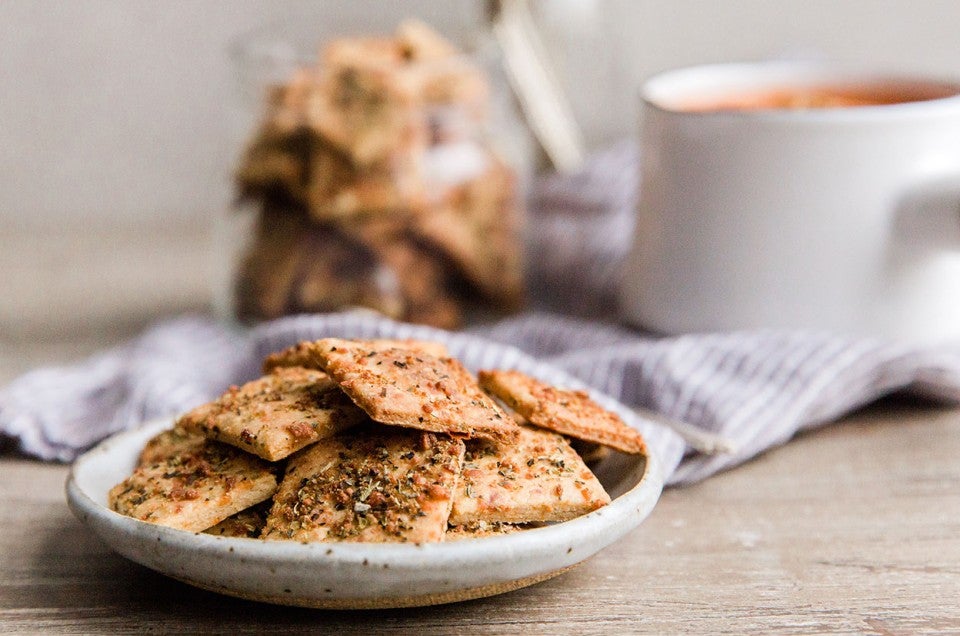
(355, 575)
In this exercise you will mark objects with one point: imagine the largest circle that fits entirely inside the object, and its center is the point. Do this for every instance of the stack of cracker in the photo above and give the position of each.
(375, 187)
(374, 441)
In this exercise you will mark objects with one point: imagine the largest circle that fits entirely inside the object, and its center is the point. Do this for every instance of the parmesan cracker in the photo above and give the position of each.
(377, 485)
(246, 524)
(414, 389)
(537, 478)
(572, 413)
(169, 443)
(308, 354)
(195, 487)
(479, 530)
(277, 414)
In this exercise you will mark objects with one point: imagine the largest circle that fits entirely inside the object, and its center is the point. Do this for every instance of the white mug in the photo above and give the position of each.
(841, 218)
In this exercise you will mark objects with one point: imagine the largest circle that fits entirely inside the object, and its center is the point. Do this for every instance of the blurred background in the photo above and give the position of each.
(120, 119)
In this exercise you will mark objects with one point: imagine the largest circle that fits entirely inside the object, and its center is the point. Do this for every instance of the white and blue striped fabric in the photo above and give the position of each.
(740, 392)
(754, 390)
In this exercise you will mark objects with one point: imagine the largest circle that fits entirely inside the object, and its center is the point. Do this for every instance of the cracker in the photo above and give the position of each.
(424, 280)
(269, 268)
(169, 443)
(537, 478)
(194, 488)
(277, 160)
(572, 413)
(363, 106)
(276, 415)
(287, 103)
(362, 52)
(479, 530)
(414, 389)
(246, 524)
(444, 312)
(419, 42)
(441, 73)
(337, 191)
(308, 353)
(475, 226)
(378, 485)
(340, 272)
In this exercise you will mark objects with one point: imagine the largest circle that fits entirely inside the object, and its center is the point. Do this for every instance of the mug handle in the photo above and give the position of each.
(928, 214)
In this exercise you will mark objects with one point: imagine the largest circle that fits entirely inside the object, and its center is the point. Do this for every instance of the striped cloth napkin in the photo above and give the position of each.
(745, 391)
(704, 402)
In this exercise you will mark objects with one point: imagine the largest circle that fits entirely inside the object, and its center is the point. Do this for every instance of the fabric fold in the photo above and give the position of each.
(754, 389)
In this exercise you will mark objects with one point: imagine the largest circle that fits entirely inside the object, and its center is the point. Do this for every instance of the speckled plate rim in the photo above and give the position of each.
(355, 575)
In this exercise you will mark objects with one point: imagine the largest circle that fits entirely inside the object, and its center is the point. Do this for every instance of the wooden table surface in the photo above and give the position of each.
(852, 528)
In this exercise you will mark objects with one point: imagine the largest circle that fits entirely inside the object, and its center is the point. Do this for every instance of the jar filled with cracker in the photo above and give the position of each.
(375, 179)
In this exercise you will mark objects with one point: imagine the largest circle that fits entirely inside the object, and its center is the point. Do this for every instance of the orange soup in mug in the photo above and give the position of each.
(825, 96)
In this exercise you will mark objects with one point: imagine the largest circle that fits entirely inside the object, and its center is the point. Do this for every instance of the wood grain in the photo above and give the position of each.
(854, 528)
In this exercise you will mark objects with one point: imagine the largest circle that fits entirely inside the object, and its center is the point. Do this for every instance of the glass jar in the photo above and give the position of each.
(385, 173)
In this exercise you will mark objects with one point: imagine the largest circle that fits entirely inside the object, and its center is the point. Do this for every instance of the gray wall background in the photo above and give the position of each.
(125, 111)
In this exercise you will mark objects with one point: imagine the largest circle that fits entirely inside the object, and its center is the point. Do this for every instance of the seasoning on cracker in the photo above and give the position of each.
(385, 440)
(537, 478)
(168, 444)
(277, 414)
(479, 530)
(572, 413)
(195, 487)
(376, 485)
(414, 389)
(246, 524)
(308, 353)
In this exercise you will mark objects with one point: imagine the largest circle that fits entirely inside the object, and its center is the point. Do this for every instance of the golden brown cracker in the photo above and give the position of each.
(537, 478)
(194, 488)
(414, 389)
(169, 443)
(479, 530)
(277, 160)
(338, 191)
(308, 353)
(476, 227)
(246, 524)
(380, 484)
(419, 42)
(277, 414)
(572, 413)
(364, 108)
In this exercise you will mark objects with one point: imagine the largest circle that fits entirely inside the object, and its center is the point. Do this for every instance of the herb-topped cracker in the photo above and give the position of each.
(377, 484)
(479, 530)
(168, 444)
(277, 414)
(246, 524)
(388, 441)
(414, 389)
(195, 487)
(572, 413)
(537, 478)
(308, 354)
